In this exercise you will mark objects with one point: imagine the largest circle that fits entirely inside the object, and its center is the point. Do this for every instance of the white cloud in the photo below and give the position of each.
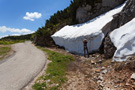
(15, 35)
(32, 16)
(5, 29)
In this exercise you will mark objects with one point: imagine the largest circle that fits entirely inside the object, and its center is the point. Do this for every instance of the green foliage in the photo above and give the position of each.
(15, 39)
(9, 42)
(3, 51)
(54, 88)
(97, 1)
(22, 37)
(56, 71)
(64, 17)
(38, 86)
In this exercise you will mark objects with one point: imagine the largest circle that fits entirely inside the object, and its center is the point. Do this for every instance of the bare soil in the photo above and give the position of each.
(97, 73)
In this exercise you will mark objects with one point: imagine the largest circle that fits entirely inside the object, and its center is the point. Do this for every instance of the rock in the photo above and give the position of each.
(127, 14)
(101, 85)
(124, 39)
(111, 3)
(48, 81)
(127, 84)
(133, 76)
(72, 41)
(99, 81)
(57, 84)
(100, 78)
(130, 58)
(98, 71)
(100, 61)
(93, 62)
(104, 71)
(109, 48)
(103, 68)
(81, 14)
(91, 10)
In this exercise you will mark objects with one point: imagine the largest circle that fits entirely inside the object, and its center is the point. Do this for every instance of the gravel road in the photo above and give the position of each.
(19, 69)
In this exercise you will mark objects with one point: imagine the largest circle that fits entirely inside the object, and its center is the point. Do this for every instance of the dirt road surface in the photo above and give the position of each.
(19, 69)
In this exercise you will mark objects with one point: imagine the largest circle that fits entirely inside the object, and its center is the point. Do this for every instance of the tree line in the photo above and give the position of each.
(61, 18)
(57, 21)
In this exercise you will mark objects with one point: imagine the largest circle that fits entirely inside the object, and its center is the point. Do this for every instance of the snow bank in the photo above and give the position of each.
(124, 40)
(71, 37)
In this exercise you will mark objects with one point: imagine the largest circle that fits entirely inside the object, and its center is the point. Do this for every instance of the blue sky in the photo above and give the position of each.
(18, 17)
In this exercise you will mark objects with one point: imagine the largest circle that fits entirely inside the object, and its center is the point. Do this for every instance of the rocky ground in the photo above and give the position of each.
(97, 73)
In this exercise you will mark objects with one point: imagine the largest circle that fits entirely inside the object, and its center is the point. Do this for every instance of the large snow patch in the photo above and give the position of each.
(71, 37)
(124, 40)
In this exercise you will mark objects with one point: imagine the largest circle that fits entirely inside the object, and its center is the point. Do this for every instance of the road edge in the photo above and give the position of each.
(42, 72)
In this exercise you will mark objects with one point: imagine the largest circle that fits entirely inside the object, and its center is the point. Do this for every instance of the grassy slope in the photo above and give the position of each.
(55, 73)
(4, 51)
(5, 47)
(5, 42)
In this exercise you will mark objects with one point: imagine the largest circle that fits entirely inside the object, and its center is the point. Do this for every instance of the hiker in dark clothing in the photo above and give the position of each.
(85, 48)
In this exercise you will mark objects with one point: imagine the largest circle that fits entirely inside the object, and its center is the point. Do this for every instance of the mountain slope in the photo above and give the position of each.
(119, 42)
(78, 11)
(126, 15)
(124, 39)
(71, 37)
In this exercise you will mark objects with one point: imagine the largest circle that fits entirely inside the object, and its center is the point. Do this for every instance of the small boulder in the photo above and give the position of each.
(93, 62)
(100, 78)
(104, 71)
(133, 76)
(98, 71)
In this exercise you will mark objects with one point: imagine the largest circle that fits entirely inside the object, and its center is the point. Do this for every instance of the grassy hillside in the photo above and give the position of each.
(14, 39)
(22, 37)
(4, 50)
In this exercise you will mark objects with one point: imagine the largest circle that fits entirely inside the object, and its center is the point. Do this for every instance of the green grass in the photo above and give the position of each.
(5, 46)
(5, 42)
(4, 51)
(56, 71)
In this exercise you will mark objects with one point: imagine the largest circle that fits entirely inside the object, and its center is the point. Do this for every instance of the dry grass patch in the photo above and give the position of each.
(4, 50)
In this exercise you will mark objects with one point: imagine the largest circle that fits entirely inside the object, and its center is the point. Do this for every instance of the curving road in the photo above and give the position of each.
(18, 70)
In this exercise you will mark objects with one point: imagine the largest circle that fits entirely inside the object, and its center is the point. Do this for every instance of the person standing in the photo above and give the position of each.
(85, 48)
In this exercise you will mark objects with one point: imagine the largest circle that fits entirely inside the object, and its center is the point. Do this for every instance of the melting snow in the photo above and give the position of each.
(124, 39)
(71, 37)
